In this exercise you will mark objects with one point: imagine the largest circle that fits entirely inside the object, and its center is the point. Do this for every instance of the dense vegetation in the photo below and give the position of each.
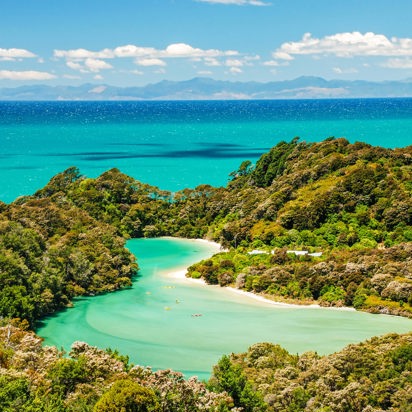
(352, 202)
(52, 251)
(40, 379)
(372, 376)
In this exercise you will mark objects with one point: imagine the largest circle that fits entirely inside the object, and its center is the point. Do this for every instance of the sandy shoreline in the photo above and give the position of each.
(181, 276)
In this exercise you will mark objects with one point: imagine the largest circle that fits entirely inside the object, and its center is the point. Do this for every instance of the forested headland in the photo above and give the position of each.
(327, 222)
(349, 203)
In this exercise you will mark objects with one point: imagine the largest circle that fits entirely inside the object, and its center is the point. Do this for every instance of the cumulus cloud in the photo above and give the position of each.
(211, 61)
(95, 65)
(175, 50)
(13, 54)
(89, 65)
(349, 44)
(348, 70)
(235, 70)
(234, 63)
(150, 62)
(237, 2)
(81, 54)
(130, 50)
(74, 65)
(25, 75)
(398, 63)
(87, 61)
(271, 63)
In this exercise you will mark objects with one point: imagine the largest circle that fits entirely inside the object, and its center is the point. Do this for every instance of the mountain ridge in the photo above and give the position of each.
(204, 88)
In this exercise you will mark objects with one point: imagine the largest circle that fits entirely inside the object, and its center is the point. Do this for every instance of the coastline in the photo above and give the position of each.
(180, 274)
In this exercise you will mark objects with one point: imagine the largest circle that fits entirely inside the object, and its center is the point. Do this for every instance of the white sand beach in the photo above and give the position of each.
(180, 275)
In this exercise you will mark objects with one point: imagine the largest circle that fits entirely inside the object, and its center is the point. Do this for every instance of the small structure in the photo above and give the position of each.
(298, 252)
(257, 252)
(304, 253)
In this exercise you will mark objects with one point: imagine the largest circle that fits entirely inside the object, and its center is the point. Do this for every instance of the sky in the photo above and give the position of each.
(136, 42)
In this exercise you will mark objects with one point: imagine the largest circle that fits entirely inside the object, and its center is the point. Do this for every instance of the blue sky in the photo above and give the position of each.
(135, 42)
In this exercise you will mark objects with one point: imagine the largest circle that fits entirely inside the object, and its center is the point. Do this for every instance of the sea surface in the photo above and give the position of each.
(154, 322)
(174, 145)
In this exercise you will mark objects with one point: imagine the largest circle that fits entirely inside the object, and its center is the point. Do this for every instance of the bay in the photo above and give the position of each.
(153, 321)
(174, 145)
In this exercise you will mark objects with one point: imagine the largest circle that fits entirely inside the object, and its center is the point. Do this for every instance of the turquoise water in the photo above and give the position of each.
(175, 145)
(152, 322)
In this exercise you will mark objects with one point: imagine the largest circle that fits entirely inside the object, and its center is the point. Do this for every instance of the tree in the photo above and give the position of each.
(230, 378)
(127, 396)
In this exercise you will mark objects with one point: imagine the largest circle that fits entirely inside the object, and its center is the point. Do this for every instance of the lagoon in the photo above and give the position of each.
(153, 322)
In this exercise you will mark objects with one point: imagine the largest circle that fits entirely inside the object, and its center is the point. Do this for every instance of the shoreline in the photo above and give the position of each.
(180, 275)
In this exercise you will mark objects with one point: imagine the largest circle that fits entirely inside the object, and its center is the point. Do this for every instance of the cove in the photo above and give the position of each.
(153, 321)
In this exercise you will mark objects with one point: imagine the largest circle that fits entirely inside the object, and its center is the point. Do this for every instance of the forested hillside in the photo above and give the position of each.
(372, 376)
(329, 222)
(349, 203)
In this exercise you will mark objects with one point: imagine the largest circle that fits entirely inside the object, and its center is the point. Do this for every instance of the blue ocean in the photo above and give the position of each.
(174, 145)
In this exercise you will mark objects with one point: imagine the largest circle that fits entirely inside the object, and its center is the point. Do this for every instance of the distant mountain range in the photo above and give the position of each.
(201, 88)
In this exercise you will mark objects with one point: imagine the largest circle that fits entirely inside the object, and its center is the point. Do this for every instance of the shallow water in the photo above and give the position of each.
(175, 145)
(152, 322)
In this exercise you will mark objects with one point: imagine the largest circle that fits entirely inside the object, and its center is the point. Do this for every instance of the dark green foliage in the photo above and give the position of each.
(230, 378)
(65, 374)
(272, 164)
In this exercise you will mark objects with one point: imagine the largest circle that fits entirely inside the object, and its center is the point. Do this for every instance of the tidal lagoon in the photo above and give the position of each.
(164, 321)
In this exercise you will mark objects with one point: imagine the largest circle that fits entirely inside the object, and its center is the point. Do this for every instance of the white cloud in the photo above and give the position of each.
(98, 77)
(74, 65)
(282, 55)
(175, 50)
(137, 72)
(398, 63)
(131, 50)
(25, 75)
(95, 65)
(237, 2)
(81, 54)
(89, 65)
(346, 45)
(185, 50)
(204, 72)
(13, 54)
(211, 61)
(349, 70)
(271, 63)
(235, 70)
(234, 63)
(150, 62)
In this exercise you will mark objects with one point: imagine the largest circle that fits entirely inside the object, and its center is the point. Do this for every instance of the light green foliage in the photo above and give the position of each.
(374, 375)
(127, 396)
